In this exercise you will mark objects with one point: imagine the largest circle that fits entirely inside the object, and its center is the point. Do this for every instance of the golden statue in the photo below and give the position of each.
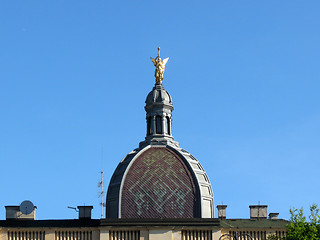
(160, 66)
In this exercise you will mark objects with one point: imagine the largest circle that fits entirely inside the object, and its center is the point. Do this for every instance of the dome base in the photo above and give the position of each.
(161, 140)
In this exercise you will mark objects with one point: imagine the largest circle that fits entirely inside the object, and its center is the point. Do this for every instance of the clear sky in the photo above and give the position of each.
(243, 75)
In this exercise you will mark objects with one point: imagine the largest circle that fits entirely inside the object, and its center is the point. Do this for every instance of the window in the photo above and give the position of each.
(165, 130)
(149, 126)
(158, 125)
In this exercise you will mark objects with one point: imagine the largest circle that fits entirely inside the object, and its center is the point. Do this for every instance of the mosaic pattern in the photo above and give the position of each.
(158, 185)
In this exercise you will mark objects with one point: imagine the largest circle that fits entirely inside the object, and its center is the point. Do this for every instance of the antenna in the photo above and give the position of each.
(101, 193)
(73, 208)
(100, 185)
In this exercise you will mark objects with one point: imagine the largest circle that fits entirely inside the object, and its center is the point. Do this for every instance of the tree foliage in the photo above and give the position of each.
(301, 229)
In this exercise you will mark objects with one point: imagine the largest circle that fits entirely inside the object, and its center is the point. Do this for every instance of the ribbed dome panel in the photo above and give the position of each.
(159, 185)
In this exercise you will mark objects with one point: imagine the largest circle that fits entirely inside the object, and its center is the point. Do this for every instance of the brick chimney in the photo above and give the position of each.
(222, 211)
(258, 211)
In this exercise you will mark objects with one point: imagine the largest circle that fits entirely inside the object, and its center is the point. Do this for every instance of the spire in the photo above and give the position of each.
(159, 110)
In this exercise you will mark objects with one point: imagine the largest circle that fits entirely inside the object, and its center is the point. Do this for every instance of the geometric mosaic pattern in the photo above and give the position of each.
(159, 185)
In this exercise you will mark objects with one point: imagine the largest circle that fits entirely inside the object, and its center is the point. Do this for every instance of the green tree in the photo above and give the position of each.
(301, 229)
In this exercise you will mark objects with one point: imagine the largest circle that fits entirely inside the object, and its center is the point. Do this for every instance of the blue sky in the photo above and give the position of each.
(243, 75)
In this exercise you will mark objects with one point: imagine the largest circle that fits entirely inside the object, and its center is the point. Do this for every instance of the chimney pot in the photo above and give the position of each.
(222, 211)
(273, 216)
(85, 212)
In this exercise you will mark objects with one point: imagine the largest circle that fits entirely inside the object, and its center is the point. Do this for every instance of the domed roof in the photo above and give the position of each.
(159, 179)
(158, 95)
(159, 182)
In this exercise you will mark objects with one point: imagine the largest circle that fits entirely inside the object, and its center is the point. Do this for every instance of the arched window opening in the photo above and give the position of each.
(165, 125)
(158, 125)
(149, 126)
(168, 125)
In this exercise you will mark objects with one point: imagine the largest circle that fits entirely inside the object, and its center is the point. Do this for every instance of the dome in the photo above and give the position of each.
(158, 95)
(159, 179)
(159, 182)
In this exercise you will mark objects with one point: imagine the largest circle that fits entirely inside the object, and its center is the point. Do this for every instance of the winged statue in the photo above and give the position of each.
(160, 66)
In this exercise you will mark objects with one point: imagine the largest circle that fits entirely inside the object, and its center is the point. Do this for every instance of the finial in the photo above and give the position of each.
(160, 66)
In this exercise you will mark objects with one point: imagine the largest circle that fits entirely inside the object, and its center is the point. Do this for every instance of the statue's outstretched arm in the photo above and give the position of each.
(154, 61)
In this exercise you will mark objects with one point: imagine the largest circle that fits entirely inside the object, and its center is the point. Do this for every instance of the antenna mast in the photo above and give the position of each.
(101, 193)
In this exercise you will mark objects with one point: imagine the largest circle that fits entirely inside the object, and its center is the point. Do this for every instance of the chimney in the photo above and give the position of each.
(13, 212)
(258, 211)
(222, 211)
(273, 216)
(85, 212)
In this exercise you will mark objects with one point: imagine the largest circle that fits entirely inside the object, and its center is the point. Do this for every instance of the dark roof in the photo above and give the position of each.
(66, 223)
(181, 222)
(253, 223)
(208, 222)
(69, 223)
